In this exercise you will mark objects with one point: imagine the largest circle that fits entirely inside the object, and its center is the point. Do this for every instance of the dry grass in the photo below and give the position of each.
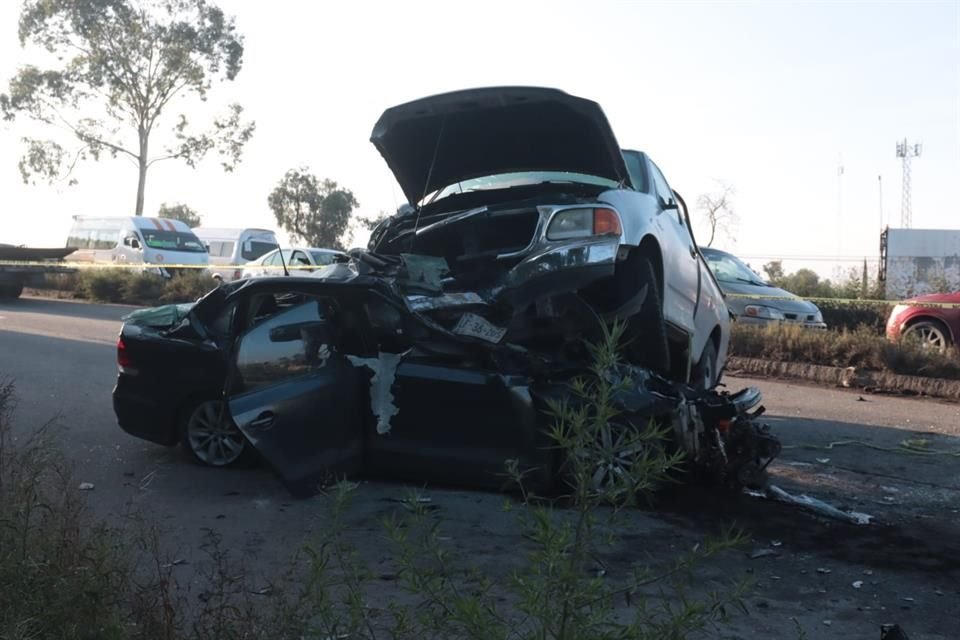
(863, 348)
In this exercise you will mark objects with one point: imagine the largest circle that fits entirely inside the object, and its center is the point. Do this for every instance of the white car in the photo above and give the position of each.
(525, 191)
(298, 261)
(231, 249)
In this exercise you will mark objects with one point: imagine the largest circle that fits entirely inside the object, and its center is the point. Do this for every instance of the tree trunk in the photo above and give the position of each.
(142, 165)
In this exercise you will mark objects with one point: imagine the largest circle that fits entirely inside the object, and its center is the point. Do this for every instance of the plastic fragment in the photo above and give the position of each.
(85, 486)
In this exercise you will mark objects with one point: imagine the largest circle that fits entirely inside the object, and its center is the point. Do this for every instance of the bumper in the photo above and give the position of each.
(140, 414)
(562, 268)
(765, 322)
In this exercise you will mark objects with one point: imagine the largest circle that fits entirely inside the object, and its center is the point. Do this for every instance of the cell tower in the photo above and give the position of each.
(906, 151)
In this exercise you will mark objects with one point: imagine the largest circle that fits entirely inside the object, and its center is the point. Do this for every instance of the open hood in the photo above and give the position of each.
(439, 140)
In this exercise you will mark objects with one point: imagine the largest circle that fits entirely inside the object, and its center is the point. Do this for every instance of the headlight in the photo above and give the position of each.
(583, 223)
(758, 311)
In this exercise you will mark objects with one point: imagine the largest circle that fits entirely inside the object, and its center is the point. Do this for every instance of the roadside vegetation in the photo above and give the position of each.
(862, 348)
(129, 287)
(64, 576)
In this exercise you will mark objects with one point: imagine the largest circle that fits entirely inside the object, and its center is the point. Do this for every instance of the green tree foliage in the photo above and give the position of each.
(116, 67)
(180, 212)
(316, 212)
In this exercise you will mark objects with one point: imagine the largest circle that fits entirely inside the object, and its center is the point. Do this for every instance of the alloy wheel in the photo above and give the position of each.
(212, 440)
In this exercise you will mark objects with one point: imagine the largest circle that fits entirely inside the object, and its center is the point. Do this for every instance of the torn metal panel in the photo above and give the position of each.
(422, 272)
(382, 402)
(443, 301)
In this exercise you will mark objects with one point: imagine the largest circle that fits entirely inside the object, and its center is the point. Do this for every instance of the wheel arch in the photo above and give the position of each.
(923, 317)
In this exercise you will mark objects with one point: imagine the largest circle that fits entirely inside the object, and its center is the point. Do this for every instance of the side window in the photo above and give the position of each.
(292, 343)
(226, 249)
(637, 171)
(299, 258)
(660, 184)
(272, 260)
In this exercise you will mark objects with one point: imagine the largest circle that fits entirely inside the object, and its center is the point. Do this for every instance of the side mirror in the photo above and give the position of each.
(133, 242)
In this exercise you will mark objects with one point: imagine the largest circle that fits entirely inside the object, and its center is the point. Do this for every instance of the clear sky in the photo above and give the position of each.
(769, 97)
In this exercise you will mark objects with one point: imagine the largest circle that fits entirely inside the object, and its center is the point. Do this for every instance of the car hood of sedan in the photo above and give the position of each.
(440, 140)
(740, 294)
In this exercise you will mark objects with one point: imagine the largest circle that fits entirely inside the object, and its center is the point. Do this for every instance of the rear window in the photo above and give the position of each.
(256, 248)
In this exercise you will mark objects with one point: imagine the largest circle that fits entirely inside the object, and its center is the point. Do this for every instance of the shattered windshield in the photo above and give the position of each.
(519, 179)
(172, 240)
(727, 268)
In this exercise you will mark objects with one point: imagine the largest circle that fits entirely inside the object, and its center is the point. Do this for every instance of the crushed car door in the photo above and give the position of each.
(292, 394)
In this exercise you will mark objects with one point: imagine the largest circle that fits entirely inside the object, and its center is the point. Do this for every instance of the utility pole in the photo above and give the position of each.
(906, 152)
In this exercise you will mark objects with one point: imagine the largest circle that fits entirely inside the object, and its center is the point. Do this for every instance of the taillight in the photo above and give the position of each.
(124, 361)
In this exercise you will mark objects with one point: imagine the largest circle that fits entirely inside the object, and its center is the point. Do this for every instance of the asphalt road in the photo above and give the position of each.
(839, 445)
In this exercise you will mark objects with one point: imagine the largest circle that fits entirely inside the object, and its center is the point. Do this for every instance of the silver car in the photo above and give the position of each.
(754, 301)
(526, 197)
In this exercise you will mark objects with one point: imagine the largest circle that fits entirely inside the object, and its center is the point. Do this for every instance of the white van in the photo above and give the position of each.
(169, 245)
(230, 249)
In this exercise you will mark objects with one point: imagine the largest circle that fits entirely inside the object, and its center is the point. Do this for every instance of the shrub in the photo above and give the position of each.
(851, 315)
(102, 285)
(186, 286)
(862, 347)
(58, 577)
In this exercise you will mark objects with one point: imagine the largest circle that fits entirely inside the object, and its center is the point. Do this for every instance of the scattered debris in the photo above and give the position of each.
(762, 553)
(857, 584)
(819, 506)
(266, 591)
(823, 460)
(824, 570)
(776, 543)
(175, 563)
(85, 486)
(892, 632)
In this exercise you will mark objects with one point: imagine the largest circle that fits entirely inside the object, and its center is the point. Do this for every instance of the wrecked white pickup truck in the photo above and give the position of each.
(433, 354)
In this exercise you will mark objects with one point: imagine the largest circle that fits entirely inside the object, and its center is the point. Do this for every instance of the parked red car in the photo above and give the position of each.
(933, 318)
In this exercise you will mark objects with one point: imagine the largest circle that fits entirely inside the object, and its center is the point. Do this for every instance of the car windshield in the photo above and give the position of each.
(172, 240)
(519, 179)
(727, 268)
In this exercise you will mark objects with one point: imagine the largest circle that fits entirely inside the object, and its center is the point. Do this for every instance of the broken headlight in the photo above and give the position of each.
(583, 223)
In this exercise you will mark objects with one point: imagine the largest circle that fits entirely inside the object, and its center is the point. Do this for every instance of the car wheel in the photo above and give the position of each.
(705, 373)
(212, 440)
(646, 331)
(611, 464)
(930, 334)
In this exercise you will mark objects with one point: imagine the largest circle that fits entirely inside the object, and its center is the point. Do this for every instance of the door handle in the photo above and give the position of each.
(263, 421)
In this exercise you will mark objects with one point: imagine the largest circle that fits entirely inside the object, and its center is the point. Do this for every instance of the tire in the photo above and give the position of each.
(930, 334)
(646, 332)
(209, 443)
(705, 373)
